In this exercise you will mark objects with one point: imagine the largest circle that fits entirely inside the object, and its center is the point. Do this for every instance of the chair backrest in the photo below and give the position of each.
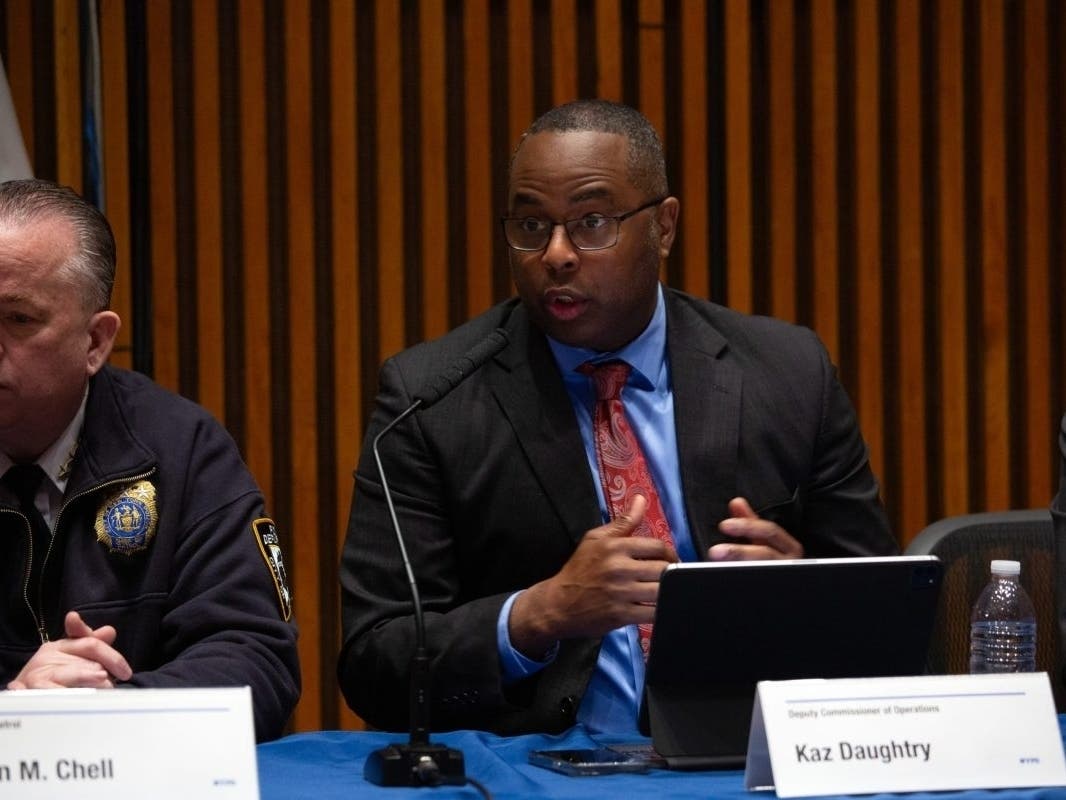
(966, 545)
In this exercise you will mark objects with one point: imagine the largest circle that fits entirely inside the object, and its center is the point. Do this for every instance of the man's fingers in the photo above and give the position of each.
(74, 676)
(84, 658)
(625, 524)
(740, 507)
(622, 528)
(106, 634)
(757, 538)
(92, 649)
(62, 670)
(75, 626)
(759, 541)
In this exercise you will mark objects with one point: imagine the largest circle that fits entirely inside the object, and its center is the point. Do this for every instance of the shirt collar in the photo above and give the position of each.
(646, 354)
(56, 460)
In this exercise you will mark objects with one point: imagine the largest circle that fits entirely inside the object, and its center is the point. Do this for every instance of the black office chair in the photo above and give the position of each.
(966, 545)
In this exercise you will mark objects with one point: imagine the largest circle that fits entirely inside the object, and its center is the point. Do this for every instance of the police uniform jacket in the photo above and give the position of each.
(162, 534)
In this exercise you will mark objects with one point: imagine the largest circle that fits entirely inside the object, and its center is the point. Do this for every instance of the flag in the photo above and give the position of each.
(14, 163)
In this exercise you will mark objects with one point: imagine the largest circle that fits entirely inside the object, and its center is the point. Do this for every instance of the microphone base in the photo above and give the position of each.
(415, 765)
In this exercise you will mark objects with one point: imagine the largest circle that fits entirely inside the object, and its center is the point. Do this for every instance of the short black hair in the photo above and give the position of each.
(33, 199)
(647, 164)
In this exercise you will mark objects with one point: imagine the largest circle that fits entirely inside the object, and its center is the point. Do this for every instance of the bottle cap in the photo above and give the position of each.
(1000, 567)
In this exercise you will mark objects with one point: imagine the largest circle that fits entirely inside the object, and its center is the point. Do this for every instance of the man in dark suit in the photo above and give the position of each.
(533, 589)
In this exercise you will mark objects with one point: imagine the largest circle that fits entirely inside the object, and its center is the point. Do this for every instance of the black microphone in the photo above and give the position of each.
(419, 762)
(460, 369)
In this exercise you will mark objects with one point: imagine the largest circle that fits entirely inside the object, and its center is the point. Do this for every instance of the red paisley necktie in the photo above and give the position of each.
(623, 468)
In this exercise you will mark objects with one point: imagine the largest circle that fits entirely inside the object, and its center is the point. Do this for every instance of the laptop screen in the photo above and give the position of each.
(721, 627)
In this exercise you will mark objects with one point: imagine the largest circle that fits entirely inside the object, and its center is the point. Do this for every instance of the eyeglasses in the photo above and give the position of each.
(590, 232)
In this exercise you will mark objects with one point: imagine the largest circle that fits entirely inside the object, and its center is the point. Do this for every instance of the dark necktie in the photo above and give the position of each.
(623, 469)
(24, 480)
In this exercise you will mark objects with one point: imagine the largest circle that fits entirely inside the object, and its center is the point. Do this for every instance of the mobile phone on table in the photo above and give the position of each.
(595, 760)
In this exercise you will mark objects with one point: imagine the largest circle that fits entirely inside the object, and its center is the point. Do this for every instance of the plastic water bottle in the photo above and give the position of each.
(1003, 624)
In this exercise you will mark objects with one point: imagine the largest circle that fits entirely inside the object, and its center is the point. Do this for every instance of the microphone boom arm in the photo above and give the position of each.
(420, 661)
(420, 763)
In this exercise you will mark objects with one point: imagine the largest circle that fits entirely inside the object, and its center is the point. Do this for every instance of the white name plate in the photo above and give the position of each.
(158, 743)
(931, 733)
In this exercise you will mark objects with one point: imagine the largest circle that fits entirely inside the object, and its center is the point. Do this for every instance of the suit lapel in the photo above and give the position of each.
(707, 393)
(532, 396)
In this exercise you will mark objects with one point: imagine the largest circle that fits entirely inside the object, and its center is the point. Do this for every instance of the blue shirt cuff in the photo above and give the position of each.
(514, 665)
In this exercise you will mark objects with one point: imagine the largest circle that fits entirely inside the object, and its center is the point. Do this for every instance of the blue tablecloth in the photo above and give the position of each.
(329, 766)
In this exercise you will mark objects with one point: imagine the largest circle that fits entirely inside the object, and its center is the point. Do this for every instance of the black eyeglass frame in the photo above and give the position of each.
(566, 223)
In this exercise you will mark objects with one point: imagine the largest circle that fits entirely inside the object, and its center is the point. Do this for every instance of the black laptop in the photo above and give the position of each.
(720, 627)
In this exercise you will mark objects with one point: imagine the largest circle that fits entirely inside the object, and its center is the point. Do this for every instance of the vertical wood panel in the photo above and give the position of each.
(563, 18)
(435, 222)
(782, 126)
(927, 153)
(608, 50)
(952, 366)
(346, 300)
(390, 211)
(520, 69)
(162, 212)
(1056, 160)
(258, 360)
(18, 64)
(739, 293)
(116, 167)
(303, 333)
(911, 492)
(478, 167)
(208, 211)
(1039, 445)
(870, 401)
(695, 176)
(651, 50)
(995, 428)
(68, 97)
(826, 218)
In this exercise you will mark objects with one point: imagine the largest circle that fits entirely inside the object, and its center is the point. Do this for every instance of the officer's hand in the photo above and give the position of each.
(84, 659)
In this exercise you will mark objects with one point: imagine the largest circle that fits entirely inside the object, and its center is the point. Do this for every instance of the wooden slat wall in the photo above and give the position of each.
(302, 187)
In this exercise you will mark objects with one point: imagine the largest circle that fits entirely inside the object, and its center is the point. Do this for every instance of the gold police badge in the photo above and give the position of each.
(127, 520)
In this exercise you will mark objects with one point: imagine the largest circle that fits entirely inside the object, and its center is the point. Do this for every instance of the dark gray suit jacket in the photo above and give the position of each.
(493, 491)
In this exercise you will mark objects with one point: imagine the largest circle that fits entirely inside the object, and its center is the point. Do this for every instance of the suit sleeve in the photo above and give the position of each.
(843, 513)
(225, 620)
(803, 462)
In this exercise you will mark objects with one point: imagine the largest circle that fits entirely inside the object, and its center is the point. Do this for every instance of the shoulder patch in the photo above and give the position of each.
(266, 536)
(127, 519)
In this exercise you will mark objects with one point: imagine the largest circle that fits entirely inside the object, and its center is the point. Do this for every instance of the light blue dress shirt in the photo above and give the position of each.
(612, 699)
